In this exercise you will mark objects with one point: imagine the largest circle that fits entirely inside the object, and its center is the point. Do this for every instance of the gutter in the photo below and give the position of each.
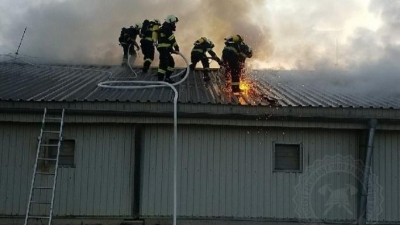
(362, 215)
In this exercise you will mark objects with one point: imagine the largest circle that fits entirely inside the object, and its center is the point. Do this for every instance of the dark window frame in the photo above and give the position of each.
(52, 150)
(301, 159)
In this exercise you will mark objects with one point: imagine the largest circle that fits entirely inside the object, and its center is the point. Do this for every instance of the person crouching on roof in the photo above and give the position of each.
(166, 46)
(233, 57)
(149, 36)
(201, 46)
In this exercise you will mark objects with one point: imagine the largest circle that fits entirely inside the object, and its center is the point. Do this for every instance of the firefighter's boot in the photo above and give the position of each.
(235, 89)
(124, 61)
(146, 66)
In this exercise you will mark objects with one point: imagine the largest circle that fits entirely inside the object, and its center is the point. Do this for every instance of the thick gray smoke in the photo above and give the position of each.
(79, 32)
(82, 32)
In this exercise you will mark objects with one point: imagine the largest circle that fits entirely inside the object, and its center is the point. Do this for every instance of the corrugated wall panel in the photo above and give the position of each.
(100, 183)
(16, 165)
(385, 166)
(227, 172)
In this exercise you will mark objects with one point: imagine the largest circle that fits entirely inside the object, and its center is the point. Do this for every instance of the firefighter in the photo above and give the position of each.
(166, 46)
(128, 38)
(123, 41)
(201, 46)
(133, 32)
(233, 56)
(149, 35)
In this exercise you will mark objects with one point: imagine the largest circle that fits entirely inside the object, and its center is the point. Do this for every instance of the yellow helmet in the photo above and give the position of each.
(203, 39)
(237, 38)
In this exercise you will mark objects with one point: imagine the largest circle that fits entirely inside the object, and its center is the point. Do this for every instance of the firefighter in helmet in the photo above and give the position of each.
(166, 46)
(233, 56)
(201, 46)
(123, 41)
(127, 40)
(149, 35)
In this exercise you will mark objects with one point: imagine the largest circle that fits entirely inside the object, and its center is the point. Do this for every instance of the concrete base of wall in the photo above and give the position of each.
(168, 221)
(165, 221)
(74, 221)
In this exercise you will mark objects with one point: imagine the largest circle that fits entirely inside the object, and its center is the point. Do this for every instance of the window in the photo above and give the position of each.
(287, 157)
(67, 152)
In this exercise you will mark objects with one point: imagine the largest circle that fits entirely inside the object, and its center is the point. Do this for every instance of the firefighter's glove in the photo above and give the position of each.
(176, 48)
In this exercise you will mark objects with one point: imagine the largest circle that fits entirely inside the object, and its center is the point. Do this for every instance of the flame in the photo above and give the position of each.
(245, 85)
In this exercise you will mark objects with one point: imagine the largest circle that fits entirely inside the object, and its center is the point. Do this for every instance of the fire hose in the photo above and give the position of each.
(144, 85)
(158, 84)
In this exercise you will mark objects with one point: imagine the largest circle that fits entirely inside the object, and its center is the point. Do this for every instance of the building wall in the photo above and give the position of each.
(386, 171)
(227, 172)
(100, 184)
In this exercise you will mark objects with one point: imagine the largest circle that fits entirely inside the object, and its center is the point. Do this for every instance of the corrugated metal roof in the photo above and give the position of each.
(23, 82)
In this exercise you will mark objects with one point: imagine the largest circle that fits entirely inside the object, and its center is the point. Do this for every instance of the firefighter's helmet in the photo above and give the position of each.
(171, 19)
(156, 21)
(237, 38)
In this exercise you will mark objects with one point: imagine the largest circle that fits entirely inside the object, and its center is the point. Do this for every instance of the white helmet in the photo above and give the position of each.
(171, 19)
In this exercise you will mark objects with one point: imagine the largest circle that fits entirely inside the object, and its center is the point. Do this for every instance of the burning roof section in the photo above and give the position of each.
(23, 82)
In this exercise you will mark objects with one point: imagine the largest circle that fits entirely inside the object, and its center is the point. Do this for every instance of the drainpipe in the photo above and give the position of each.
(362, 217)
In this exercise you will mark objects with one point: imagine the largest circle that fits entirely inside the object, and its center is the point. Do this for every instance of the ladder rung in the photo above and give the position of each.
(49, 145)
(51, 131)
(43, 203)
(47, 159)
(53, 118)
(43, 173)
(38, 217)
(42, 187)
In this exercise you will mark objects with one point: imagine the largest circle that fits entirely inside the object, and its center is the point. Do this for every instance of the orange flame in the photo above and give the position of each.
(245, 86)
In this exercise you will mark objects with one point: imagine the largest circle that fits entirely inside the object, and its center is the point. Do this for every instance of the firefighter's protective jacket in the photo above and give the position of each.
(166, 38)
(123, 37)
(241, 49)
(202, 46)
(131, 34)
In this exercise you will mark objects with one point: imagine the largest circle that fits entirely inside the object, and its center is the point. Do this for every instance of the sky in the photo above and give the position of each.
(359, 38)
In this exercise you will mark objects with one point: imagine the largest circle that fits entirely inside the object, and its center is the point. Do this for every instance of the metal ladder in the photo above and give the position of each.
(43, 208)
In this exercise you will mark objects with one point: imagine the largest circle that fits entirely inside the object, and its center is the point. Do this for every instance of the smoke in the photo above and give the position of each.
(75, 31)
(83, 32)
(343, 41)
(219, 19)
(283, 33)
